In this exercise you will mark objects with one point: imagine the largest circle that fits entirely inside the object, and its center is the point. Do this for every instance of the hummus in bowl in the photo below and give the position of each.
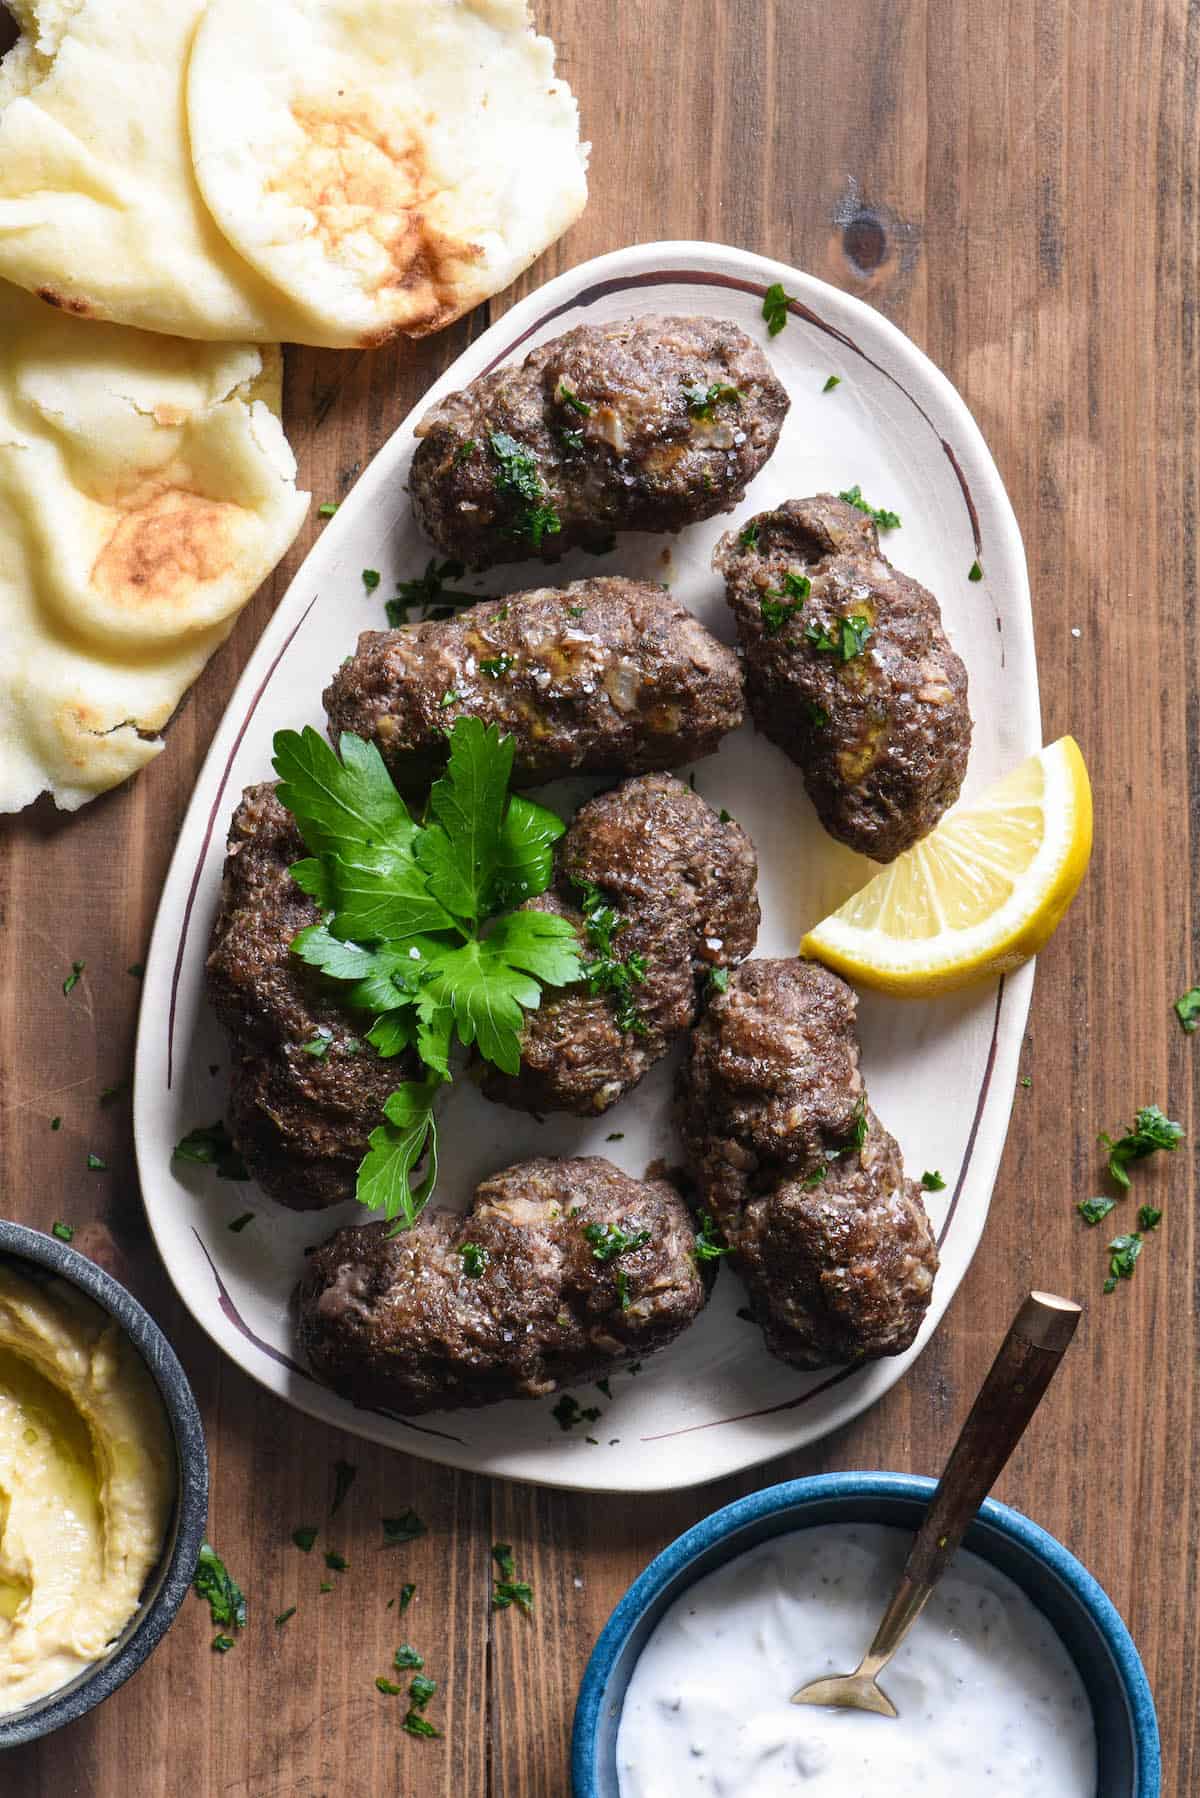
(87, 1483)
(103, 1484)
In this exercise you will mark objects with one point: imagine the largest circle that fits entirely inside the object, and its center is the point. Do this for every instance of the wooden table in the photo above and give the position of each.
(1015, 182)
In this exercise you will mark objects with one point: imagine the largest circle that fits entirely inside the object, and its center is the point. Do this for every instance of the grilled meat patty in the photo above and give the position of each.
(644, 425)
(880, 732)
(306, 1091)
(605, 676)
(680, 883)
(405, 1323)
(830, 1238)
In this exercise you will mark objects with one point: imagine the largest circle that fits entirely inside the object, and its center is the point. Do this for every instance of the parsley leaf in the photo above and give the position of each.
(975, 571)
(388, 1687)
(212, 1147)
(568, 1412)
(286, 1616)
(305, 1537)
(718, 980)
(702, 401)
(775, 307)
(407, 1658)
(710, 1243)
(398, 1530)
(370, 579)
(340, 801)
(336, 1562)
(776, 608)
(64, 1232)
(1123, 1252)
(831, 382)
(507, 1590)
(848, 640)
(1149, 1217)
(212, 1582)
(422, 1690)
(607, 973)
(428, 590)
(474, 1259)
(610, 1240)
(1094, 1211)
(1152, 1130)
(572, 399)
(524, 864)
(406, 1595)
(72, 979)
(517, 478)
(748, 538)
(1187, 1009)
(460, 850)
(417, 1725)
(239, 1223)
(407, 1136)
(887, 521)
(933, 1182)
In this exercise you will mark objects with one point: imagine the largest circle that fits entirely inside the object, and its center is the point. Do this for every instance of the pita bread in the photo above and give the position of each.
(99, 210)
(386, 164)
(146, 490)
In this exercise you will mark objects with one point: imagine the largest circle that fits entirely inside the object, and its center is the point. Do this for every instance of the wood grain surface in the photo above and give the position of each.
(1015, 183)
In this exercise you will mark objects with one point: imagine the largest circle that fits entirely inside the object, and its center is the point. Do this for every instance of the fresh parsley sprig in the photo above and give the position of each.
(1152, 1130)
(417, 927)
(887, 521)
(775, 307)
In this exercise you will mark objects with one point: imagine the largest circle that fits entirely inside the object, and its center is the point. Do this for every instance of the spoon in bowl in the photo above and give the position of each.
(1029, 1356)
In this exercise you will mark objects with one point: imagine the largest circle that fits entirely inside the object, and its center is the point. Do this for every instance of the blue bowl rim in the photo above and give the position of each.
(793, 1493)
(191, 1493)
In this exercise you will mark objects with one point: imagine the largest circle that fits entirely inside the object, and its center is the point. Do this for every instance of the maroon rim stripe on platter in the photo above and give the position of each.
(846, 1373)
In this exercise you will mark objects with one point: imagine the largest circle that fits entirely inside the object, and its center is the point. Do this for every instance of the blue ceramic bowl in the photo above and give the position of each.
(30, 1252)
(1066, 1593)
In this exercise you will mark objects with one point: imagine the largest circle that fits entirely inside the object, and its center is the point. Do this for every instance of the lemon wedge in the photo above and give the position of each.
(979, 895)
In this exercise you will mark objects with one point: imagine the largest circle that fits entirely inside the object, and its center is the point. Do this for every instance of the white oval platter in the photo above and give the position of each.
(941, 1074)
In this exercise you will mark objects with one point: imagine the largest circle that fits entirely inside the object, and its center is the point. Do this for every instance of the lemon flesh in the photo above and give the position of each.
(979, 895)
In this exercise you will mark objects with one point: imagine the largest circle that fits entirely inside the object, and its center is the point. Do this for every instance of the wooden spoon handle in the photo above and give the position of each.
(1008, 1398)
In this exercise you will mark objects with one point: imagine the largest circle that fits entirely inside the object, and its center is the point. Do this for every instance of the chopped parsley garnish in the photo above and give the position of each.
(417, 925)
(718, 980)
(610, 1240)
(623, 1289)
(371, 578)
(222, 1644)
(405, 1528)
(406, 1595)
(327, 508)
(72, 980)
(344, 1475)
(572, 440)
(887, 521)
(474, 1259)
(286, 1616)
(495, 666)
(831, 382)
(64, 1232)
(1187, 1009)
(1149, 1217)
(848, 640)
(305, 1537)
(451, 696)
(421, 1690)
(225, 1598)
(775, 307)
(466, 450)
(748, 538)
(710, 1243)
(606, 973)
(778, 605)
(518, 479)
(212, 1147)
(239, 1223)
(725, 817)
(933, 1182)
(1152, 1130)
(851, 1144)
(388, 1687)
(95, 1164)
(569, 398)
(427, 591)
(568, 1412)
(1094, 1211)
(407, 1658)
(975, 572)
(320, 1043)
(417, 1725)
(702, 401)
(56, 1123)
(1123, 1252)
(615, 1136)
(137, 969)
(508, 1590)
(335, 1562)
(1026, 1080)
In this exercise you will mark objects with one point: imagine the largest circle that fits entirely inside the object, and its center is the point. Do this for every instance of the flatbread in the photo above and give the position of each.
(385, 163)
(99, 209)
(146, 491)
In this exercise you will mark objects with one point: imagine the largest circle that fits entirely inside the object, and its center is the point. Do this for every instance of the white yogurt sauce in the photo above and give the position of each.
(990, 1703)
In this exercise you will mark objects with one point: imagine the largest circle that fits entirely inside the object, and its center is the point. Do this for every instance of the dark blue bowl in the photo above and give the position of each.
(1062, 1589)
(167, 1586)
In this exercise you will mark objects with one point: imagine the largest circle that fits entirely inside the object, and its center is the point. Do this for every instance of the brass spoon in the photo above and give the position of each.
(1008, 1398)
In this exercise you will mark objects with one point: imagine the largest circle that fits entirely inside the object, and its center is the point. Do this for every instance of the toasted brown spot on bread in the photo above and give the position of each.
(64, 302)
(368, 186)
(165, 548)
